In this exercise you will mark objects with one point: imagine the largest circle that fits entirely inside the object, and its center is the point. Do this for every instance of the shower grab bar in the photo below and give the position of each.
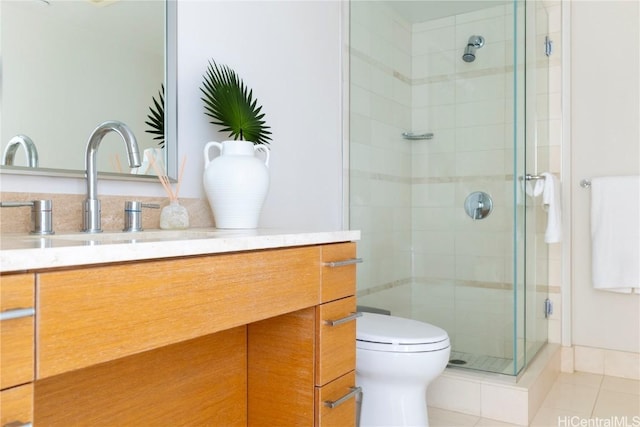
(585, 183)
(417, 136)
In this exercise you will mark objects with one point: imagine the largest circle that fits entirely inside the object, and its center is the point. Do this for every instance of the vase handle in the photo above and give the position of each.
(265, 149)
(206, 151)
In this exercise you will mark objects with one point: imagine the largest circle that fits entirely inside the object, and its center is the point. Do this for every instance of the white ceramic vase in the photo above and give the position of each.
(236, 182)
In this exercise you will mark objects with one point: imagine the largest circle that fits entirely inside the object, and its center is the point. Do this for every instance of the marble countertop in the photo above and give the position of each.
(21, 252)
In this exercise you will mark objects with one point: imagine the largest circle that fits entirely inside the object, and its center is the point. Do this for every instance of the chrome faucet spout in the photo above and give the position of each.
(29, 147)
(91, 210)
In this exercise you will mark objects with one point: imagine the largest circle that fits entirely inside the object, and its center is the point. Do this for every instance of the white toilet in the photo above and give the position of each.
(396, 359)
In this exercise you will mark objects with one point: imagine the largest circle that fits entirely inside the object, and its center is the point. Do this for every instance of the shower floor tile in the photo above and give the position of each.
(480, 362)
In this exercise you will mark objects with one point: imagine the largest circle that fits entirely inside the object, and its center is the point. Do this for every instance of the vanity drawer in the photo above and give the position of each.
(16, 330)
(338, 271)
(93, 315)
(336, 402)
(335, 345)
(16, 404)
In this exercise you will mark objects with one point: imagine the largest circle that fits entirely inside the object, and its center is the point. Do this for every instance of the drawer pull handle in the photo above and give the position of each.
(18, 424)
(17, 313)
(349, 318)
(350, 261)
(333, 403)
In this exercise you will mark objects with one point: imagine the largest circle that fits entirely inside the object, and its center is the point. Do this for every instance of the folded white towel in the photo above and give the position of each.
(615, 233)
(552, 203)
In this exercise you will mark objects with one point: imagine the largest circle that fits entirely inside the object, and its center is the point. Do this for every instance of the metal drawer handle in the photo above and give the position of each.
(350, 261)
(349, 318)
(17, 313)
(332, 404)
(18, 424)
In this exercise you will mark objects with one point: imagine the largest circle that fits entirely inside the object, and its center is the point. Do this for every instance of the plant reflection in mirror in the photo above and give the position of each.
(156, 118)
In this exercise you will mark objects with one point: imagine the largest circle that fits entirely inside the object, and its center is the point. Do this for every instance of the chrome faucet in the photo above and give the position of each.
(29, 148)
(91, 209)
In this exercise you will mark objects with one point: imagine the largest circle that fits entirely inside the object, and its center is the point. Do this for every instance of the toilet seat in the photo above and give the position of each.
(381, 332)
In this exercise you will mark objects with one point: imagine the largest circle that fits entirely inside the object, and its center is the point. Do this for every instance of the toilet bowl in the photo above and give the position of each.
(396, 359)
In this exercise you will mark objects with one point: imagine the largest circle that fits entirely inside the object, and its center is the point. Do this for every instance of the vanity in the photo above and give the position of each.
(210, 327)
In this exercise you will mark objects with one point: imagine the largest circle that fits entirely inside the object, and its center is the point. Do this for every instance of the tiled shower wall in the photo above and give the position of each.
(380, 170)
(425, 258)
(463, 270)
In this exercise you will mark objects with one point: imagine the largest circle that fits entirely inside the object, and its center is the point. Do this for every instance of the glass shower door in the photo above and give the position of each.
(427, 257)
(537, 96)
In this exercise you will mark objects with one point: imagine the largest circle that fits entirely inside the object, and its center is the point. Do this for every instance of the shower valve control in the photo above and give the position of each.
(478, 205)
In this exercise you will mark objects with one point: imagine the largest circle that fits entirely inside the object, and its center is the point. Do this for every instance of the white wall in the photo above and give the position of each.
(290, 54)
(605, 126)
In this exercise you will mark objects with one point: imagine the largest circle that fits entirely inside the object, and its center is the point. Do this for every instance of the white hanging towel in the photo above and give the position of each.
(534, 190)
(615, 233)
(552, 203)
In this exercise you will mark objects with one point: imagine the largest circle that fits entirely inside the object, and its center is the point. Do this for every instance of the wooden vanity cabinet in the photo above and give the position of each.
(199, 382)
(324, 361)
(336, 338)
(335, 363)
(16, 348)
(229, 339)
(97, 314)
(16, 405)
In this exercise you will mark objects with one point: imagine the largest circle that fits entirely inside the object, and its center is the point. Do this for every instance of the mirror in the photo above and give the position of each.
(68, 66)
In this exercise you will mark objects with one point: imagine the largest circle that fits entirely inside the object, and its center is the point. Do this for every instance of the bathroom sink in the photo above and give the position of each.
(136, 235)
(106, 238)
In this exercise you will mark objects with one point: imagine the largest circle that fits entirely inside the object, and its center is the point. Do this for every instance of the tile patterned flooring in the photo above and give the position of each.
(575, 400)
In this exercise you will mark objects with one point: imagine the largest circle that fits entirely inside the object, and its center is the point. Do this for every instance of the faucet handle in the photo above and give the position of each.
(41, 214)
(133, 214)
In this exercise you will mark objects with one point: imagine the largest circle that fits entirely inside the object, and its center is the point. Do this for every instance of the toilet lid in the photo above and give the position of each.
(398, 334)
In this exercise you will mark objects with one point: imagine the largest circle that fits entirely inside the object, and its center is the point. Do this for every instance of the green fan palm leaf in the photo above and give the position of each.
(231, 105)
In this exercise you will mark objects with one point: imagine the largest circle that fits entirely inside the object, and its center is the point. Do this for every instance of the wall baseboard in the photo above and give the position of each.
(601, 361)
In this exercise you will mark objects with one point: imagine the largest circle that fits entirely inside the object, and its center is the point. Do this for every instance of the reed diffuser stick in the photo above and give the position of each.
(164, 180)
(172, 216)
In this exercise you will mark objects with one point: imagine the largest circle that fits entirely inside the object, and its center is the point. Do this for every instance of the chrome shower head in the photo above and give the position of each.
(475, 42)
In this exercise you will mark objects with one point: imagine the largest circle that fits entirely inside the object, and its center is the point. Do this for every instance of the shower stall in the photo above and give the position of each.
(448, 103)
